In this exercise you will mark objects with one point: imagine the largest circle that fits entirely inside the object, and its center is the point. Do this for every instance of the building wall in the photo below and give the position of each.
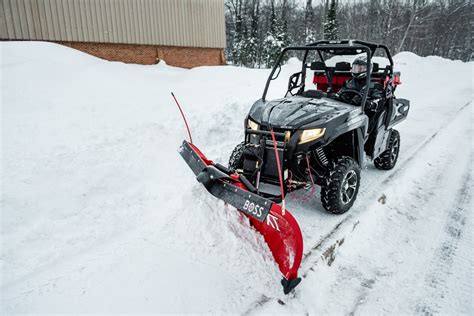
(186, 23)
(187, 57)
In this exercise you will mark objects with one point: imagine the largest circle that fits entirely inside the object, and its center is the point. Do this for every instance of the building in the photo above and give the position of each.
(185, 33)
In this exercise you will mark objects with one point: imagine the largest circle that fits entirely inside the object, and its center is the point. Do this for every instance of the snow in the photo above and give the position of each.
(100, 214)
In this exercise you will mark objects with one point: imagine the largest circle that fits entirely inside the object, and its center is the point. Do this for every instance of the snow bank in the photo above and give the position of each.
(90, 157)
(100, 213)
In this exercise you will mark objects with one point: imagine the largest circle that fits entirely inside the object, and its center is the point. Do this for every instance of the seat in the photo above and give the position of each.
(342, 73)
(320, 78)
(342, 67)
(318, 67)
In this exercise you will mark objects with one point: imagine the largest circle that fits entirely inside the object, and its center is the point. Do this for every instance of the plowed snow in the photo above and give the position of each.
(100, 213)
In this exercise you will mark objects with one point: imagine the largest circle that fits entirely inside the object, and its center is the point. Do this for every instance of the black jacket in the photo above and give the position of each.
(375, 91)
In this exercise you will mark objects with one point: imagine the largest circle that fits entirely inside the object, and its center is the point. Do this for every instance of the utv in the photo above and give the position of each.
(319, 139)
(307, 137)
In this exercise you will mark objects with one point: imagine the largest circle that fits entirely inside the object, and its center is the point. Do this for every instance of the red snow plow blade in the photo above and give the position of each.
(279, 229)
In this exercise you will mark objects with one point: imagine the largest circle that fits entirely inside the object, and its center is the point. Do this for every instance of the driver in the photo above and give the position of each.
(358, 84)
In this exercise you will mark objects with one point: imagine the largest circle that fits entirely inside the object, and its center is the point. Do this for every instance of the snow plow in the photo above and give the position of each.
(278, 227)
(318, 134)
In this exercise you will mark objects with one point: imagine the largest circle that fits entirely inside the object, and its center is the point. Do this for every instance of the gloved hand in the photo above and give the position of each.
(356, 100)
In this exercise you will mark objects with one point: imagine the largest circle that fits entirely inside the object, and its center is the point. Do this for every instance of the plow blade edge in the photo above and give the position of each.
(279, 229)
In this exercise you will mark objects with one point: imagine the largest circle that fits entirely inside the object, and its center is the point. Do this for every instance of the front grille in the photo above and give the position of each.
(275, 129)
(278, 138)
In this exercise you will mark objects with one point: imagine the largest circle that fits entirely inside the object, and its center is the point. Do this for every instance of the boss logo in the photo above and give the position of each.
(253, 208)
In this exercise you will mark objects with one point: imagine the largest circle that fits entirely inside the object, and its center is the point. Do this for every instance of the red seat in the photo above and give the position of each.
(341, 73)
(321, 81)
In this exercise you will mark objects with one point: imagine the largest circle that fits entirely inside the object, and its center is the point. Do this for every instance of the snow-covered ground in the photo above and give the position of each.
(100, 214)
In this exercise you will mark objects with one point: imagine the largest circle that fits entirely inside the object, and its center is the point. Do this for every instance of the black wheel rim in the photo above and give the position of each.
(349, 186)
(394, 150)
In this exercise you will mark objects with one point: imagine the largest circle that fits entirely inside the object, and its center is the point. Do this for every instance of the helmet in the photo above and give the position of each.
(359, 67)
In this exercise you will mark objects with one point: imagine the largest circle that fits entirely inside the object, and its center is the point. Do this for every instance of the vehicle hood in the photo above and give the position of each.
(296, 112)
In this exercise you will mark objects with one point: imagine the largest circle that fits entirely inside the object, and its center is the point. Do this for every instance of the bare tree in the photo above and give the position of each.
(257, 29)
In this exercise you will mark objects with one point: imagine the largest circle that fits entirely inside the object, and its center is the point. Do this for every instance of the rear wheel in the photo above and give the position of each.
(342, 186)
(389, 157)
(236, 159)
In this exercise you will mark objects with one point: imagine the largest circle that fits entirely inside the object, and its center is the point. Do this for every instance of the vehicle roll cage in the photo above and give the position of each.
(341, 47)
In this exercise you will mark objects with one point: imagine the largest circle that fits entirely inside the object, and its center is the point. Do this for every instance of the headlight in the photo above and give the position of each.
(311, 134)
(252, 125)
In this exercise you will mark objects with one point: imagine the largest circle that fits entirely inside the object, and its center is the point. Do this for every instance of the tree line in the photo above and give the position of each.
(258, 29)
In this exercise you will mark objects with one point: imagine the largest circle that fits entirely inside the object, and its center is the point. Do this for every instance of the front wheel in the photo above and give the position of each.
(342, 186)
(389, 157)
(236, 159)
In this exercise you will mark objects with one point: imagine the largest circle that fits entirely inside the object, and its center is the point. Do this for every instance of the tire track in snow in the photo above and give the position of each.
(315, 255)
(443, 257)
(447, 252)
(376, 182)
(368, 195)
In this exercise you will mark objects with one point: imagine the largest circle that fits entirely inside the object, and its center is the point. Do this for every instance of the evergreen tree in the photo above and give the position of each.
(330, 25)
(257, 30)
(251, 49)
(275, 40)
(309, 33)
